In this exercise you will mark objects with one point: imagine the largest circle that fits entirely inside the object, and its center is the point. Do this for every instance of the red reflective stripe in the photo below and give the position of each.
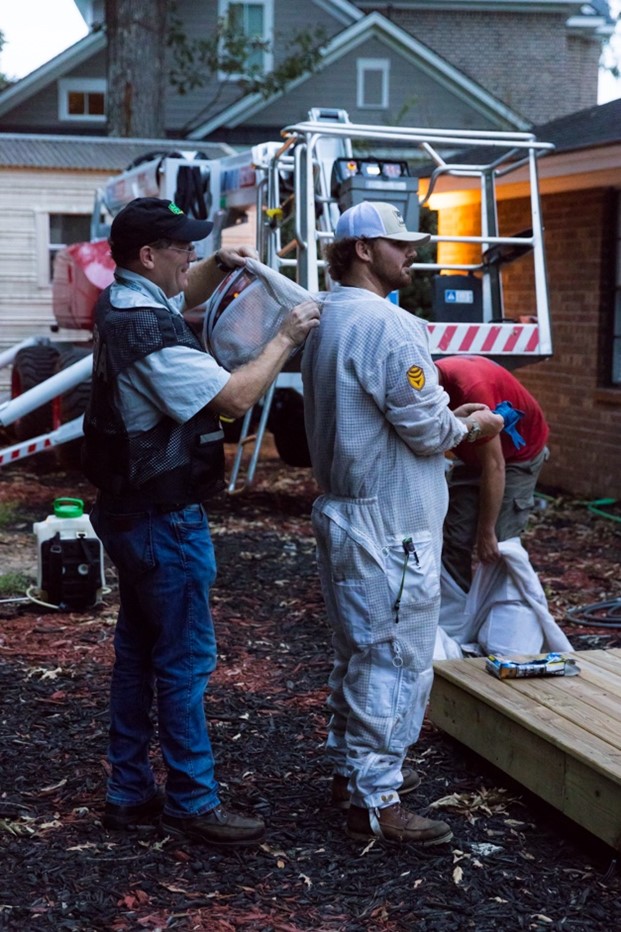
(490, 339)
(512, 339)
(447, 336)
(25, 450)
(469, 338)
(495, 340)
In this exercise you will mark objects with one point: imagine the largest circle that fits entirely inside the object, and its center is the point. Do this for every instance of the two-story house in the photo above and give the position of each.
(464, 64)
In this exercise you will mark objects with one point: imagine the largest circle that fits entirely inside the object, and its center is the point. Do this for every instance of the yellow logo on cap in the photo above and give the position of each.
(416, 377)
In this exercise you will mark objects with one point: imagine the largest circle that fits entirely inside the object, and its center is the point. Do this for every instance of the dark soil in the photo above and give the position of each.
(513, 863)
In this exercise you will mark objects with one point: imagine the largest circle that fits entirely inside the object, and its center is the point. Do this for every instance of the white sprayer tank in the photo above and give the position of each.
(70, 557)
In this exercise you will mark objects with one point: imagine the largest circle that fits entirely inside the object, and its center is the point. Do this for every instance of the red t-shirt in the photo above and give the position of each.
(476, 378)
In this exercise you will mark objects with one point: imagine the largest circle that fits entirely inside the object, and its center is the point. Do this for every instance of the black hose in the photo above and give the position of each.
(598, 614)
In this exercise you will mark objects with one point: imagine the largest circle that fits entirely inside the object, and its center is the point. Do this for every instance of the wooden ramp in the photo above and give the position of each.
(558, 736)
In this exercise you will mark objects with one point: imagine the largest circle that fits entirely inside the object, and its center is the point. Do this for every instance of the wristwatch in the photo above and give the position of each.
(473, 431)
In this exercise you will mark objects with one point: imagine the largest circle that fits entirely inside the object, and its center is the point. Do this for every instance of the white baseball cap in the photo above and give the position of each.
(375, 219)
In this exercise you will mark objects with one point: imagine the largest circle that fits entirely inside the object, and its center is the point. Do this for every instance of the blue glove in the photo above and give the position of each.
(511, 416)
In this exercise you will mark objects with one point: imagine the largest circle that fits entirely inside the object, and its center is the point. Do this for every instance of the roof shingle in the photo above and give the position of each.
(93, 153)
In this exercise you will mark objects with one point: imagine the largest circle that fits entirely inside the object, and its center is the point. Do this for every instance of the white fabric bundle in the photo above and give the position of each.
(246, 311)
(505, 612)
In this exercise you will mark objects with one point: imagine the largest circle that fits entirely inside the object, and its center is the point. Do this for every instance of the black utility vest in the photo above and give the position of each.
(170, 462)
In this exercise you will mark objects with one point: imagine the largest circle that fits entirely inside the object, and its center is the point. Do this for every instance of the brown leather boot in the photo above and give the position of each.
(125, 818)
(397, 825)
(340, 793)
(220, 827)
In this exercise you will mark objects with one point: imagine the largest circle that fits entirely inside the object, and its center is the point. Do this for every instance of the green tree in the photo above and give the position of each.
(148, 46)
(237, 58)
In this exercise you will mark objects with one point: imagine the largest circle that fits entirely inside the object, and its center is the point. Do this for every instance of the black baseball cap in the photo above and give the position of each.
(147, 219)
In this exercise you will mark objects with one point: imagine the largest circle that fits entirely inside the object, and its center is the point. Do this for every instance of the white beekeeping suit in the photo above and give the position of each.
(378, 424)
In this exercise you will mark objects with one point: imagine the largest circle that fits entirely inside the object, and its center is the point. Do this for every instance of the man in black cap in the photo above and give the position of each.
(153, 448)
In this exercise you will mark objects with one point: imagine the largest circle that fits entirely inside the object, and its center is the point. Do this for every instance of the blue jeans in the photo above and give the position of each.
(164, 644)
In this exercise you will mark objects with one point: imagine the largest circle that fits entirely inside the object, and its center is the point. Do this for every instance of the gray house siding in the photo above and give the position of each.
(41, 113)
(290, 17)
(416, 98)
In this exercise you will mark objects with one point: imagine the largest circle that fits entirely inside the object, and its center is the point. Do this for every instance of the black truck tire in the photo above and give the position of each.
(32, 366)
(286, 422)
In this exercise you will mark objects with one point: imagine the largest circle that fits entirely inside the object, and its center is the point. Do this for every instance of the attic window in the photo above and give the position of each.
(373, 83)
(82, 99)
(256, 21)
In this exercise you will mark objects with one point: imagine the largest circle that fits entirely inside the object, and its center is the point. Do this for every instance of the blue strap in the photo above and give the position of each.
(511, 417)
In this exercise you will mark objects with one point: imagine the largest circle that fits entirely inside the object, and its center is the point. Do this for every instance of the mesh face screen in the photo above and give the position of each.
(246, 311)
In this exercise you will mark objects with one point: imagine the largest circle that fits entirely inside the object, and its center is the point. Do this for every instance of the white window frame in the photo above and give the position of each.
(42, 248)
(67, 86)
(363, 67)
(45, 249)
(268, 33)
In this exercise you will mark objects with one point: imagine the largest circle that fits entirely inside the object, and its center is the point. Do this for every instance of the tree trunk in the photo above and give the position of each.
(136, 35)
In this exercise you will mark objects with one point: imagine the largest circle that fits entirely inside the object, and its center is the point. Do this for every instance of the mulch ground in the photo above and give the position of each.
(513, 863)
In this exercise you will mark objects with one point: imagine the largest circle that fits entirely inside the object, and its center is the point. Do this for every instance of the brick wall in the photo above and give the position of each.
(584, 414)
(527, 60)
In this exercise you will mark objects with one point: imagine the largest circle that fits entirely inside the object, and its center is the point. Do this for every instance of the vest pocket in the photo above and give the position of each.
(207, 463)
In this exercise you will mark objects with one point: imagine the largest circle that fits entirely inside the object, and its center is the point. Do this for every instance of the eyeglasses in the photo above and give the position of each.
(188, 250)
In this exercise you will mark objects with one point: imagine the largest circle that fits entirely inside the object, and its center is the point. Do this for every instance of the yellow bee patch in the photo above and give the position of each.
(416, 377)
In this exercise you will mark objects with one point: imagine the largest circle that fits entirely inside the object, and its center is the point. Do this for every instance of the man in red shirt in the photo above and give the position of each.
(492, 483)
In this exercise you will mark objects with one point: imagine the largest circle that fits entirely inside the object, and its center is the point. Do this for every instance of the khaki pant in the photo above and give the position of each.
(460, 525)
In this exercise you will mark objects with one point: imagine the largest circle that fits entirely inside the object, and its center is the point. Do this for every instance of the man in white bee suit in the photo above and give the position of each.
(378, 424)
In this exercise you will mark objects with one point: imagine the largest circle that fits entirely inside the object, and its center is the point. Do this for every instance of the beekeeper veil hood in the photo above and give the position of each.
(246, 311)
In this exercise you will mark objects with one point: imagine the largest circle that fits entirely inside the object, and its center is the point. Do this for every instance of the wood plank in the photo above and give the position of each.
(601, 679)
(585, 794)
(585, 700)
(471, 674)
(587, 711)
(558, 736)
(597, 686)
(596, 751)
(606, 719)
(609, 660)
